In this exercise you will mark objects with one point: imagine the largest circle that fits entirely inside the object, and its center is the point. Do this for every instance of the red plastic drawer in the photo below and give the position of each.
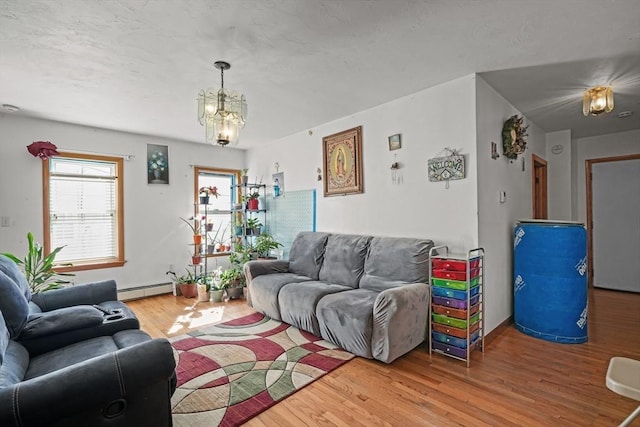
(454, 264)
(455, 275)
(454, 312)
(455, 332)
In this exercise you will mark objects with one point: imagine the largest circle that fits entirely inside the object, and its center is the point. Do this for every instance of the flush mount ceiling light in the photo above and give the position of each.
(222, 112)
(597, 100)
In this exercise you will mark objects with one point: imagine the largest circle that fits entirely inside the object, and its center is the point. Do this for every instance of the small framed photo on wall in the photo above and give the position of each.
(395, 142)
(157, 164)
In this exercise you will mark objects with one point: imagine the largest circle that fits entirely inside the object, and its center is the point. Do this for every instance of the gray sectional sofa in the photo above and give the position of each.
(368, 295)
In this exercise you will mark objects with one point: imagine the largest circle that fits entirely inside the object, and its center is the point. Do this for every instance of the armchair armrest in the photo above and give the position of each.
(87, 294)
(400, 317)
(61, 320)
(254, 269)
(89, 392)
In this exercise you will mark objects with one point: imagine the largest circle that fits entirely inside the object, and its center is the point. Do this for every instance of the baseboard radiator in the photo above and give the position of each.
(144, 291)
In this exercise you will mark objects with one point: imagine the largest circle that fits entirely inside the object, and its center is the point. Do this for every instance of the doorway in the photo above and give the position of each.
(613, 223)
(539, 187)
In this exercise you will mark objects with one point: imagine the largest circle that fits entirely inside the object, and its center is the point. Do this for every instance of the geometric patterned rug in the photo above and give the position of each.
(231, 372)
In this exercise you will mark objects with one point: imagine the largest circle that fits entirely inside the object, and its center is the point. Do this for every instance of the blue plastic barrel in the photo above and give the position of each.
(550, 280)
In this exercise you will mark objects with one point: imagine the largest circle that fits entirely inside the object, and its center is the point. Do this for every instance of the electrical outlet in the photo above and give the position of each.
(171, 267)
(6, 221)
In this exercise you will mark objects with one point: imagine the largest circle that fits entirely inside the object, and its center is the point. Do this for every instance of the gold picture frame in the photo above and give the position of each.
(342, 162)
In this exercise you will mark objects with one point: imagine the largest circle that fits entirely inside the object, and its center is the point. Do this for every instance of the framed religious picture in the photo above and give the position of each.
(342, 161)
(395, 143)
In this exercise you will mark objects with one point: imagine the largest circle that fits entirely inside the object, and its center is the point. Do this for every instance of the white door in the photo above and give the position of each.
(615, 190)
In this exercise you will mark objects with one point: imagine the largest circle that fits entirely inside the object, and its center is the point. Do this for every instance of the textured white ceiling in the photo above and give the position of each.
(137, 65)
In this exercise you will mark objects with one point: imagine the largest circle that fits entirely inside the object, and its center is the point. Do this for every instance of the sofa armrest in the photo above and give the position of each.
(254, 269)
(61, 320)
(400, 318)
(89, 392)
(87, 294)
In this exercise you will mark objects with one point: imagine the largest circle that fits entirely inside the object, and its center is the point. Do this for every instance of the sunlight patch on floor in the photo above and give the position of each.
(195, 317)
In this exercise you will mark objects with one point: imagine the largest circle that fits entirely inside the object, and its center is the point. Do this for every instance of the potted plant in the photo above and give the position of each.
(253, 226)
(217, 291)
(252, 200)
(194, 224)
(245, 177)
(265, 243)
(205, 192)
(232, 281)
(188, 286)
(39, 269)
(203, 285)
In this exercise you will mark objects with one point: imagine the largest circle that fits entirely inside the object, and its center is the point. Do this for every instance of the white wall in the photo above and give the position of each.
(610, 145)
(429, 121)
(559, 175)
(154, 236)
(496, 220)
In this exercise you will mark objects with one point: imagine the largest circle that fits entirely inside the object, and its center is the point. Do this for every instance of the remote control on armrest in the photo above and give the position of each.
(102, 309)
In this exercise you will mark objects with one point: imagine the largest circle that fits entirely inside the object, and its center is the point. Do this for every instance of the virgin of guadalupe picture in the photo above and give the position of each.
(342, 155)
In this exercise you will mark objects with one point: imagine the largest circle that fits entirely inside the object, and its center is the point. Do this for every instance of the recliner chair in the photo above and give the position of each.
(45, 321)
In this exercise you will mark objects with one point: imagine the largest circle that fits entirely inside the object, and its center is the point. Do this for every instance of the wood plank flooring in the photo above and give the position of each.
(518, 381)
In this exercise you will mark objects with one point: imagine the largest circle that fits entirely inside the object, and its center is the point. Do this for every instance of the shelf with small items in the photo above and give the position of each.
(456, 311)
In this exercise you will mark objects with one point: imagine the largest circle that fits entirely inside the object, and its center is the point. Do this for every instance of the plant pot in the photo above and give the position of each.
(256, 231)
(209, 226)
(245, 179)
(252, 204)
(197, 239)
(175, 289)
(216, 295)
(211, 249)
(195, 260)
(204, 200)
(238, 230)
(189, 290)
(203, 295)
(234, 293)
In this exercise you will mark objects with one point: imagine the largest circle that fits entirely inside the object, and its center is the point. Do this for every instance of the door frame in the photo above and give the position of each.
(539, 201)
(588, 177)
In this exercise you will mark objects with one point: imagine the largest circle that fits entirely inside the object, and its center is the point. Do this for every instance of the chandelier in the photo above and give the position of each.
(597, 100)
(222, 112)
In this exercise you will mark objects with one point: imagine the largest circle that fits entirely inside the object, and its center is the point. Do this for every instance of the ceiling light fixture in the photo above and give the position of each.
(222, 112)
(597, 100)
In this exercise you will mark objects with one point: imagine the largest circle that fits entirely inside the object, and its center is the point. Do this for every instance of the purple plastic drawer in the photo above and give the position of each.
(450, 349)
(455, 303)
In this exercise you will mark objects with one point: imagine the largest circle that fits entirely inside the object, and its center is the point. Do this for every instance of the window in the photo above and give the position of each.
(83, 210)
(218, 210)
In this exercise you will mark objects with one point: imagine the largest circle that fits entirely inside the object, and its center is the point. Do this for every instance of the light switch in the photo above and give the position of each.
(503, 196)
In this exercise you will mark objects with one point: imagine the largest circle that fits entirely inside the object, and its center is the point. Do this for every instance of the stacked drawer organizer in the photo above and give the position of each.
(456, 324)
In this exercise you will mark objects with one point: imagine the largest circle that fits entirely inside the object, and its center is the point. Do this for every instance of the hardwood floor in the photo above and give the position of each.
(518, 381)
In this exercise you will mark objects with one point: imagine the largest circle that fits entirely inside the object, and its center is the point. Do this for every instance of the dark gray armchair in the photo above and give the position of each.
(42, 322)
(126, 379)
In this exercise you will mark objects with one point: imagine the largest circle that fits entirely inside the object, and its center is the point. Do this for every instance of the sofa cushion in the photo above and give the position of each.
(394, 261)
(344, 259)
(14, 365)
(298, 302)
(306, 254)
(264, 291)
(13, 305)
(11, 269)
(81, 351)
(346, 319)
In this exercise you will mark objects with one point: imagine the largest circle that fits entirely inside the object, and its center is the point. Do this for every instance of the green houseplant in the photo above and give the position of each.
(39, 269)
(264, 243)
(254, 225)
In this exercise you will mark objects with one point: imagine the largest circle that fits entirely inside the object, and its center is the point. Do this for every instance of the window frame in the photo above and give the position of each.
(196, 190)
(119, 260)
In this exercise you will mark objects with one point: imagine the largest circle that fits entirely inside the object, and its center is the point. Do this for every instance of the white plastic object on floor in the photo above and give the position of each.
(623, 377)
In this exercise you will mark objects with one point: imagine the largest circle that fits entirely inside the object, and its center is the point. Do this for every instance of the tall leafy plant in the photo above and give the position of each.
(39, 269)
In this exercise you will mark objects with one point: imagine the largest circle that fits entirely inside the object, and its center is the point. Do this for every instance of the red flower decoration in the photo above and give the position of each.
(42, 149)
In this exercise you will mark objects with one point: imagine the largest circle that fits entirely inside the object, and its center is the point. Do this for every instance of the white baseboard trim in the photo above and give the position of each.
(144, 291)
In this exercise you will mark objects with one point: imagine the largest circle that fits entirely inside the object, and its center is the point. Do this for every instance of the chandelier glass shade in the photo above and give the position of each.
(222, 112)
(597, 100)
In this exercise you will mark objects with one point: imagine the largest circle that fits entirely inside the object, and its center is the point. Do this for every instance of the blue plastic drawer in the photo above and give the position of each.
(452, 293)
(458, 342)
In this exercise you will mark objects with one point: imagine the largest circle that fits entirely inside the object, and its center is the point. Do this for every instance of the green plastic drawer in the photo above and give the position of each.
(454, 284)
(456, 323)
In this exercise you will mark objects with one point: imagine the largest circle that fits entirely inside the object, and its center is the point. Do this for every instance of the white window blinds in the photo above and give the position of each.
(83, 209)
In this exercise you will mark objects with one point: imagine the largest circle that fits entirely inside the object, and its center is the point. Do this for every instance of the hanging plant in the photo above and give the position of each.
(513, 133)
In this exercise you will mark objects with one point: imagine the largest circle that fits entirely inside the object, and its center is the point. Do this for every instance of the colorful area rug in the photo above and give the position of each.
(231, 372)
